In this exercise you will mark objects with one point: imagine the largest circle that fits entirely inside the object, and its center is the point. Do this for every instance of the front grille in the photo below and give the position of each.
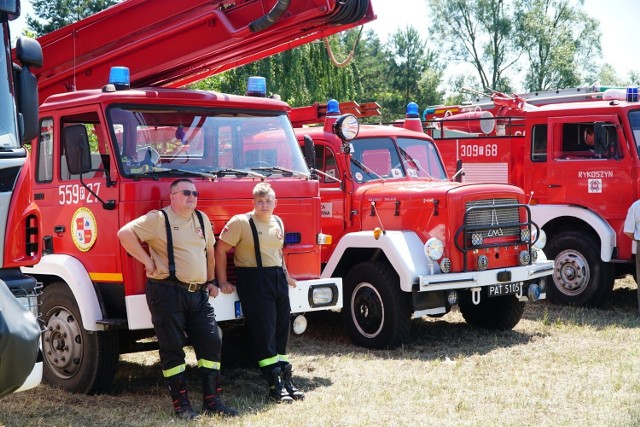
(502, 222)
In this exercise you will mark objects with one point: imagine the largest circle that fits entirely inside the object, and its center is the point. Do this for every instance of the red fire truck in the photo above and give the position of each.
(579, 190)
(407, 241)
(106, 156)
(19, 215)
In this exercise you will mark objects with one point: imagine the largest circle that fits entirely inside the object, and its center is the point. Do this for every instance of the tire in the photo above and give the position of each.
(74, 359)
(498, 313)
(580, 277)
(376, 312)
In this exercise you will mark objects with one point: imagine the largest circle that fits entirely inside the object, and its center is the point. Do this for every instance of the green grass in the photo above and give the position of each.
(560, 366)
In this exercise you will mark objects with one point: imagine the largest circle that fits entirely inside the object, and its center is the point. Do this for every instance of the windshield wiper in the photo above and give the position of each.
(283, 171)
(238, 172)
(190, 172)
(407, 157)
(365, 168)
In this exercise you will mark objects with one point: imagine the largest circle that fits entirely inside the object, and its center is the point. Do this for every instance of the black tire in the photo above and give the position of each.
(74, 359)
(498, 313)
(376, 312)
(580, 278)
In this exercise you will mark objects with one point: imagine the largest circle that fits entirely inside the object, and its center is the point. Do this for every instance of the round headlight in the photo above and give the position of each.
(542, 240)
(347, 127)
(434, 248)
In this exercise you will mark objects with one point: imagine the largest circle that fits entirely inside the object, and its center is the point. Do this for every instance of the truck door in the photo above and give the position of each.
(332, 197)
(596, 177)
(75, 222)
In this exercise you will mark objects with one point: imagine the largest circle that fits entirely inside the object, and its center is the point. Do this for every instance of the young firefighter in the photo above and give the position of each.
(180, 269)
(263, 287)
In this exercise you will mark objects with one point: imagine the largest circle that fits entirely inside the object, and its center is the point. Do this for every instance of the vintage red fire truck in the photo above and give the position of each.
(579, 193)
(19, 215)
(409, 242)
(106, 156)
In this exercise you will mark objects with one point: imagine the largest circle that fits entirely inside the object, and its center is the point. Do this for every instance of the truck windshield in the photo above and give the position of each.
(421, 158)
(179, 141)
(8, 124)
(634, 119)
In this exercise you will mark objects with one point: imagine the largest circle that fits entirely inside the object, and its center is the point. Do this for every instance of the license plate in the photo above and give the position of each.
(505, 289)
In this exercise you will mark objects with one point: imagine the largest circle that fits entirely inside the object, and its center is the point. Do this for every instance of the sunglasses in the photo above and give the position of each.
(188, 193)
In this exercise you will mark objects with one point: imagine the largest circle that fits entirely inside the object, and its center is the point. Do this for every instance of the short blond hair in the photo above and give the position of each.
(262, 189)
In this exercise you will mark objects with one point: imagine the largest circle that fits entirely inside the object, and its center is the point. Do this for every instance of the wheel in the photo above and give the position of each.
(74, 359)
(580, 277)
(501, 313)
(376, 312)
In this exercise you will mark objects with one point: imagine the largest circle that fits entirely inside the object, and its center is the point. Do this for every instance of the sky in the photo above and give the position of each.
(619, 41)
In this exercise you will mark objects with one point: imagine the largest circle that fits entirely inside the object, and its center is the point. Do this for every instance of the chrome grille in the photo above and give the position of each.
(494, 218)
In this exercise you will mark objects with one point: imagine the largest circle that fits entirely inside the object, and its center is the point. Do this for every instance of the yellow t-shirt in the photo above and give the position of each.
(189, 244)
(237, 233)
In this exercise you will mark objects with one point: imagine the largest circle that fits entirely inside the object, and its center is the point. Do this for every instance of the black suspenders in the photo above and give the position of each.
(256, 241)
(172, 263)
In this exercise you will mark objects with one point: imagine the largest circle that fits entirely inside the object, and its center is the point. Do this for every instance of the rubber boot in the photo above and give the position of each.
(179, 397)
(211, 395)
(293, 391)
(277, 392)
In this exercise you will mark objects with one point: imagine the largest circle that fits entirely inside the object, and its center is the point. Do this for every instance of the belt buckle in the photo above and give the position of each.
(193, 287)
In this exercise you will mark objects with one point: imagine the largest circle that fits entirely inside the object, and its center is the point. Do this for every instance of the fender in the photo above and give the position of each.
(76, 277)
(542, 214)
(404, 249)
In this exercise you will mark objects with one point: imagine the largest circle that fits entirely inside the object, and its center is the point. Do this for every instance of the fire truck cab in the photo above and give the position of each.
(576, 158)
(407, 241)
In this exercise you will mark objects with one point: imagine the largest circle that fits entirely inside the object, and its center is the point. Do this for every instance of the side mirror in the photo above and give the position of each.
(309, 152)
(29, 53)
(76, 148)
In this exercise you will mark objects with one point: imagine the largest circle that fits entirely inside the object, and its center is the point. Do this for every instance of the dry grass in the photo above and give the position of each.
(560, 366)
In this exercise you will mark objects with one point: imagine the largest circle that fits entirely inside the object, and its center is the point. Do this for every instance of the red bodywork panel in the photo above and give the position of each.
(173, 43)
(22, 234)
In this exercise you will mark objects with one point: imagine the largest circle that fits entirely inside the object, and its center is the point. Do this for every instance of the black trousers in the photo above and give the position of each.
(177, 314)
(264, 295)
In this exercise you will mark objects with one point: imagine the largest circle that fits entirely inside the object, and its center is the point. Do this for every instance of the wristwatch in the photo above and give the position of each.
(214, 282)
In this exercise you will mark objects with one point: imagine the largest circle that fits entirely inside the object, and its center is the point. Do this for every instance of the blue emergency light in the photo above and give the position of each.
(120, 78)
(412, 111)
(333, 108)
(257, 86)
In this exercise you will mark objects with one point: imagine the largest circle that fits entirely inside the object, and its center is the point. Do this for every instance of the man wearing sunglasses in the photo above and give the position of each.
(180, 268)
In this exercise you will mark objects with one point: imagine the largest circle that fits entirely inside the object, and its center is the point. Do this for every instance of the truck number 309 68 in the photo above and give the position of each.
(75, 193)
(473, 150)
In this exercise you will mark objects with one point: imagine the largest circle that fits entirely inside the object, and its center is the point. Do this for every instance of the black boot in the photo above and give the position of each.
(211, 391)
(179, 397)
(277, 392)
(293, 391)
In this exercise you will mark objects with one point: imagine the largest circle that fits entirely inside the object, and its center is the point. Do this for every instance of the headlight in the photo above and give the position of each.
(542, 240)
(525, 235)
(476, 239)
(434, 248)
(322, 295)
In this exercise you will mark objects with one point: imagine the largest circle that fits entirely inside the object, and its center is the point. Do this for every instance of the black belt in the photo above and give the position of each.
(191, 287)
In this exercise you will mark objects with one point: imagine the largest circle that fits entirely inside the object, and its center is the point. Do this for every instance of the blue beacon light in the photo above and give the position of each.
(120, 77)
(333, 108)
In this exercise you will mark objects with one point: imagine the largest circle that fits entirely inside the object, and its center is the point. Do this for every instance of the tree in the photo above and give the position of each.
(413, 73)
(54, 14)
(561, 42)
(479, 32)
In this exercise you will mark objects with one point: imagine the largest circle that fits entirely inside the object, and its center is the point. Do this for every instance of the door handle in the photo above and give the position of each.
(555, 185)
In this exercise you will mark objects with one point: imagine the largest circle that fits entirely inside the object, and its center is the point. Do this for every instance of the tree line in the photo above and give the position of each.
(485, 45)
